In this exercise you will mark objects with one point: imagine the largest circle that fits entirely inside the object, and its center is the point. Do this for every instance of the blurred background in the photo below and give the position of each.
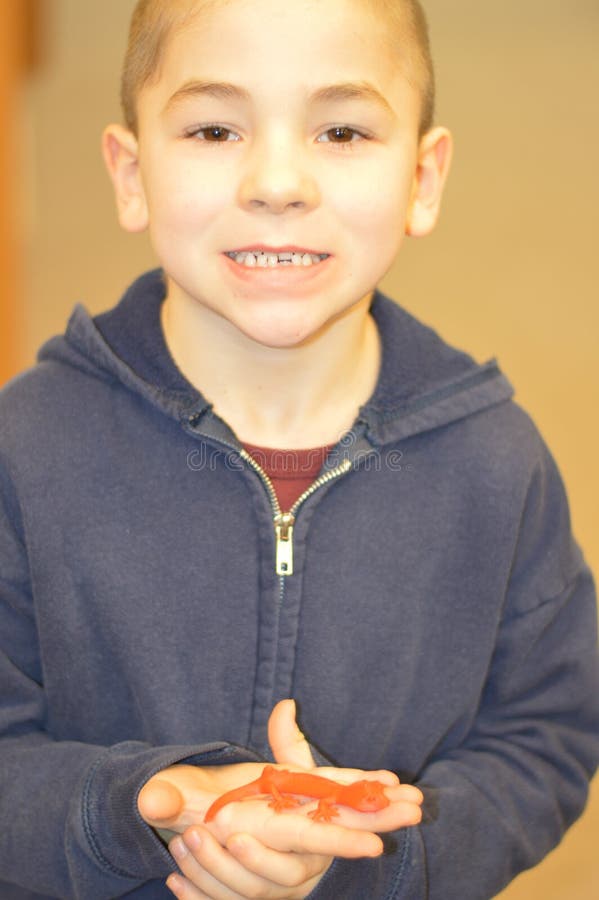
(512, 271)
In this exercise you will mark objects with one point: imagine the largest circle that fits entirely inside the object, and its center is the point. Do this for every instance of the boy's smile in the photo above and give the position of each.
(274, 269)
(278, 165)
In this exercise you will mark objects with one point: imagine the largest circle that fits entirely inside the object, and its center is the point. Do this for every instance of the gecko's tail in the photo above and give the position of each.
(253, 789)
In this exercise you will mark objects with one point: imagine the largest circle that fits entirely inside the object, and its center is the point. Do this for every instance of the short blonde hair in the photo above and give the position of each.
(409, 39)
(153, 22)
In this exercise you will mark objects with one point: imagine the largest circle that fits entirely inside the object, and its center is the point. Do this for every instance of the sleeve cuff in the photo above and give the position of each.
(117, 837)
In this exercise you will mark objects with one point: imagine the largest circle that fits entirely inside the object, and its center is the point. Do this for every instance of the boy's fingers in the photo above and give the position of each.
(283, 868)
(245, 868)
(206, 865)
(288, 744)
(300, 834)
(296, 832)
(405, 793)
(397, 815)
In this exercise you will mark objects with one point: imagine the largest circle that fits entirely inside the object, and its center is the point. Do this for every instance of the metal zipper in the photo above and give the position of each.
(285, 521)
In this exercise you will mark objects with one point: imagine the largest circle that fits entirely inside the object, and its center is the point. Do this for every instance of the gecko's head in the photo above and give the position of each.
(369, 796)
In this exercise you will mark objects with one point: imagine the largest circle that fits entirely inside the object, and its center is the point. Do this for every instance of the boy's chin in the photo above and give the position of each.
(291, 327)
(284, 337)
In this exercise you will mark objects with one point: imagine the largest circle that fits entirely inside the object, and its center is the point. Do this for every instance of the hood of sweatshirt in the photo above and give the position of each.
(423, 382)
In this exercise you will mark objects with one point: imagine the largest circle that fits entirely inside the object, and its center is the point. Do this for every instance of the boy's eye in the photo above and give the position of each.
(341, 134)
(215, 134)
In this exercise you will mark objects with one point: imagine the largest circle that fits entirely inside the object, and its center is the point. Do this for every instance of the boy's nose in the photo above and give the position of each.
(277, 178)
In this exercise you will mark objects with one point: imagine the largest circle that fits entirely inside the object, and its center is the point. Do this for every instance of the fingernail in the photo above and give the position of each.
(193, 840)
(237, 843)
(174, 884)
(178, 848)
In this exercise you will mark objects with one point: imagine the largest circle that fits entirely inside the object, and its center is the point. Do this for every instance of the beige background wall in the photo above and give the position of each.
(512, 270)
(12, 70)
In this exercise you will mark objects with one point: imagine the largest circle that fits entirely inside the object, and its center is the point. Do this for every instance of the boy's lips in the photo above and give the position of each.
(276, 267)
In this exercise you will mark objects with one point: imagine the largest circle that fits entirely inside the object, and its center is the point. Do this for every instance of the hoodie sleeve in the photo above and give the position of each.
(70, 826)
(499, 803)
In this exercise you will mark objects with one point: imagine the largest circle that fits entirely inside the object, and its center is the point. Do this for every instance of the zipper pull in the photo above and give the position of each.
(284, 534)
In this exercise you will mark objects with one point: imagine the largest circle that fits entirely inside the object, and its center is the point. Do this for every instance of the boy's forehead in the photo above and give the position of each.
(331, 49)
(184, 13)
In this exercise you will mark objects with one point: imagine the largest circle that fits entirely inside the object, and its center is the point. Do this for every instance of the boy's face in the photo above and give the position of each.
(286, 156)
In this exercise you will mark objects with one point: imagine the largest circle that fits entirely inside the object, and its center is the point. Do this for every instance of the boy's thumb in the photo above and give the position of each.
(288, 744)
(159, 802)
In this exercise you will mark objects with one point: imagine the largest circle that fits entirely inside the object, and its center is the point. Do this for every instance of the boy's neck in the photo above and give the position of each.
(303, 397)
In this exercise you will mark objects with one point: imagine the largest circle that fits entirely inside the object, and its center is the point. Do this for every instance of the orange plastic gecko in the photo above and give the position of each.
(364, 796)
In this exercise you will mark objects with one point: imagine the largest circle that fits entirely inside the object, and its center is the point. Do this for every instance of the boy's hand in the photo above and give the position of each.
(251, 851)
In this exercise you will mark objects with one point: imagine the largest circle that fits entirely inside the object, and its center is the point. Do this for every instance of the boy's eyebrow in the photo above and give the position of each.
(220, 90)
(333, 93)
(350, 90)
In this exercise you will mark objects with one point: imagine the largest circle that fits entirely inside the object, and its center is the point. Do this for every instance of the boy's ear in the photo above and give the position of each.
(120, 151)
(434, 159)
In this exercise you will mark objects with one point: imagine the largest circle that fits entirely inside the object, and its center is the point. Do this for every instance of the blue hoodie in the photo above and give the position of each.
(439, 620)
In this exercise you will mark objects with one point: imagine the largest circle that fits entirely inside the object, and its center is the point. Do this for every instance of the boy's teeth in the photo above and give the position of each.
(270, 260)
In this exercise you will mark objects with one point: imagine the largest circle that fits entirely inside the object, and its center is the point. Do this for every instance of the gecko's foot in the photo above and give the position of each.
(324, 812)
(281, 803)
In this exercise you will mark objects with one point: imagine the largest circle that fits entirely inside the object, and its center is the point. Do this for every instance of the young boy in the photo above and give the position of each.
(258, 479)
